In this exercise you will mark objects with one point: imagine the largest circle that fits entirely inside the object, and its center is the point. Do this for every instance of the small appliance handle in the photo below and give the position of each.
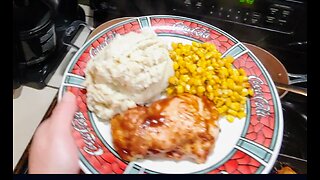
(299, 78)
(71, 31)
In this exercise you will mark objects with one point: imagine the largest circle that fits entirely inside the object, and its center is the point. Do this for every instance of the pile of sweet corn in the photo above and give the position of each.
(200, 70)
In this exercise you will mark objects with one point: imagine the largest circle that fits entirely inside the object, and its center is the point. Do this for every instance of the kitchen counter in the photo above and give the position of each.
(30, 105)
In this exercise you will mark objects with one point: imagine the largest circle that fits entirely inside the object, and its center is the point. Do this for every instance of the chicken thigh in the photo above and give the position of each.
(181, 126)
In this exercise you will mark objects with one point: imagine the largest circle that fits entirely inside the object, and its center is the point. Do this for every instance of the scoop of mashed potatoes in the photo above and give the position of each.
(133, 69)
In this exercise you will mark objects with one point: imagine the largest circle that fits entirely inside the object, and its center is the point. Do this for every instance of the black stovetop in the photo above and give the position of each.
(293, 150)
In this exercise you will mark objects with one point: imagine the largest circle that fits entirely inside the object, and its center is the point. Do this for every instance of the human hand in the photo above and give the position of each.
(53, 149)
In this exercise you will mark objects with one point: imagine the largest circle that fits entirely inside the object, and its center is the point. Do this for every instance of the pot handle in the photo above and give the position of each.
(71, 31)
(299, 78)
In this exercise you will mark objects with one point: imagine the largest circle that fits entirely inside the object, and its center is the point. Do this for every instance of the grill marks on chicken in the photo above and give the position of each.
(181, 126)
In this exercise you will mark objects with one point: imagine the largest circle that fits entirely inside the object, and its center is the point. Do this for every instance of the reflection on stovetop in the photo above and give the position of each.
(295, 61)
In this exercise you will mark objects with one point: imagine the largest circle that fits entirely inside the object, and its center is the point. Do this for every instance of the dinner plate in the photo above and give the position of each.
(247, 146)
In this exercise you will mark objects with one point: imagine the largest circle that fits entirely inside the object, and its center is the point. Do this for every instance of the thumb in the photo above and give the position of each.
(64, 112)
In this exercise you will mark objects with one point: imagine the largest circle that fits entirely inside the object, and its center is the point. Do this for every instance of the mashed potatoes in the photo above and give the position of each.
(132, 69)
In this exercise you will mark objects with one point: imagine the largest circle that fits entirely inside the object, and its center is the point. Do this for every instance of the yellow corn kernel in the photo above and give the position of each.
(200, 94)
(211, 96)
(207, 75)
(231, 84)
(232, 112)
(188, 47)
(225, 96)
(194, 48)
(193, 68)
(251, 92)
(209, 88)
(245, 78)
(201, 89)
(183, 71)
(172, 52)
(222, 109)
(242, 98)
(228, 65)
(174, 45)
(237, 96)
(179, 58)
(195, 57)
(218, 55)
(211, 82)
(237, 88)
(200, 70)
(196, 44)
(185, 78)
(242, 102)
(223, 72)
(242, 72)
(200, 54)
(173, 80)
(220, 103)
(240, 80)
(215, 65)
(203, 50)
(188, 65)
(181, 63)
(200, 63)
(235, 106)
(208, 55)
(227, 92)
(175, 65)
(178, 51)
(228, 102)
(224, 85)
(229, 59)
(233, 98)
(197, 82)
(179, 89)
(177, 74)
(182, 83)
(187, 59)
(206, 44)
(203, 79)
(235, 78)
(244, 92)
(187, 88)
(241, 114)
(218, 80)
(230, 118)
(215, 78)
(246, 84)
(170, 91)
(236, 72)
(191, 81)
(217, 92)
(230, 71)
(173, 55)
(193, 90)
